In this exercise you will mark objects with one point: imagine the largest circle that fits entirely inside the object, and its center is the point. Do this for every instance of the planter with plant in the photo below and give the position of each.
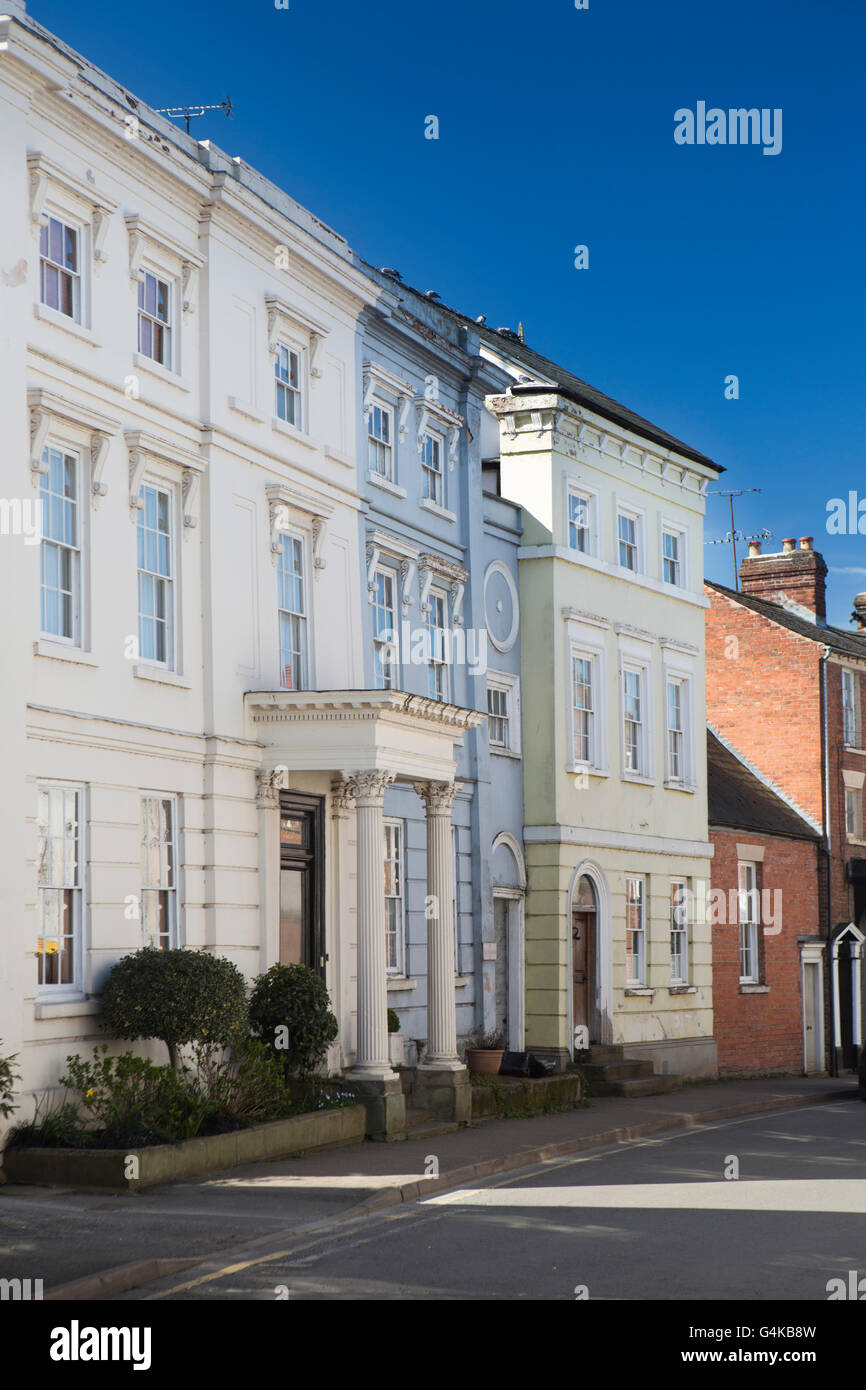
(484, 1053)
(396, 1044)
(290, 1011)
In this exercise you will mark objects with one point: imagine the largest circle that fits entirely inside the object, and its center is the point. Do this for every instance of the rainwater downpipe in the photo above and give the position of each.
(825, 750)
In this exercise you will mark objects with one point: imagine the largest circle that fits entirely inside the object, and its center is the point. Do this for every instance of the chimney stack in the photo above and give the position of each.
(793, 577)
(859, 614)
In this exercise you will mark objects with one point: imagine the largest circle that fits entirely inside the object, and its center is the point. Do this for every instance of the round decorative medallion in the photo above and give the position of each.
(501, 606)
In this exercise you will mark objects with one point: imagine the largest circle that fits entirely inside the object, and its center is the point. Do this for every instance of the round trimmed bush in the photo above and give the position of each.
(290, 1011)
(177, 996)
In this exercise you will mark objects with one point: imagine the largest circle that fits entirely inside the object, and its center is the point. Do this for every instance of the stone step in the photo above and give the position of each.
(606, 1052)
(423, 1124)
(648, 1086)
(617, 1071)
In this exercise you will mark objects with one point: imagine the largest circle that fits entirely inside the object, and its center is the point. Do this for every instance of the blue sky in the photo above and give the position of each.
(556, 129)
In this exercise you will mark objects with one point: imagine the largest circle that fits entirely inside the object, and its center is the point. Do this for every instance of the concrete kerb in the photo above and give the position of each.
(123, 1278)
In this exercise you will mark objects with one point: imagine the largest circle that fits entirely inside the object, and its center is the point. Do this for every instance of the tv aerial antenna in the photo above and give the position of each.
(189, 113)
(731, 537)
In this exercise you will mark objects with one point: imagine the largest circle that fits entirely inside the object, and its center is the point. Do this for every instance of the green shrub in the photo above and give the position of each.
(8, 1077)
(290, 1011)
(129, 1100)
(177, 996)
(247, 1086)
(56, 1124)
(393, 1021)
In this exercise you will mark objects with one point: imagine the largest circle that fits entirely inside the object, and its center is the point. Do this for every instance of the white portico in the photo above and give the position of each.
(349, 746)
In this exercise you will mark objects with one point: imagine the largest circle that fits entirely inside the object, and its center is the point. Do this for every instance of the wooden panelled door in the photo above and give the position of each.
(301, 881)
(583, 948)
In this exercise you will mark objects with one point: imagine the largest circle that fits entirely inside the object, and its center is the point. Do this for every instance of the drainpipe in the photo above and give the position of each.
(825, 758)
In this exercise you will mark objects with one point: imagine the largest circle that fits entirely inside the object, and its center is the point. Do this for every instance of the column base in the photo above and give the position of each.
(384, 1101)
(445, 1091)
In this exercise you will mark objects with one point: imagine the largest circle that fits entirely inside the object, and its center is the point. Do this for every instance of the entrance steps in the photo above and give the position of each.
(423, 1124)
(610, 1073)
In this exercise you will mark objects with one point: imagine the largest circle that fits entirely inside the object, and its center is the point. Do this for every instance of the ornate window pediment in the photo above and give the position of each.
(437, 569)
(379, 381)
(285, 319)
(46, 409)
(381, 543)
(432, 414)
(45, 174)
(142, 234)
(285, 499)
(141, 447)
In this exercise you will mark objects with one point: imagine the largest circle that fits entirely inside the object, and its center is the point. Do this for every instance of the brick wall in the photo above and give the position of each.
(763, 1032)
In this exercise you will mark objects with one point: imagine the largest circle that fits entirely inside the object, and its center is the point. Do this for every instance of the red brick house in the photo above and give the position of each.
(786, 690)
(766, 1006)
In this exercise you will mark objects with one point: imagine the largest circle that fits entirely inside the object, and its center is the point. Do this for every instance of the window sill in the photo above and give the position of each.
(385, 484)
(590, 771)
(688, 787)
(243, 408)
(435, 507)
(397, 982)
(754, 989)
(504, 752)
(160, 675)
(638, 777)
(68, 325)
(291, 432)
(852, 748)
(854, 840)
(639, 992)
(66, 1008)
(682, 989)
(147, 364)
(60, 652)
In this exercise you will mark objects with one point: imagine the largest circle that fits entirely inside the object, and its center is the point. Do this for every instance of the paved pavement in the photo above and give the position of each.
(63, 1236)
(755, 1210)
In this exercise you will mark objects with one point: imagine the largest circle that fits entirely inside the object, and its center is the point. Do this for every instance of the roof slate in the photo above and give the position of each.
(739, 800)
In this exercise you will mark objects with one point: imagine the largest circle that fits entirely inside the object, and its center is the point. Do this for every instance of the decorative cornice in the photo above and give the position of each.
(356, 706)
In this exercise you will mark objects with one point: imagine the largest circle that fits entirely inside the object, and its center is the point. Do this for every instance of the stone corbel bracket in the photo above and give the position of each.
(286, 318)
(408, 575)
(190, 483)
(40, 424)
(182, 258)
(320, 530)
(431, 412)
(372, 556)
(402, 391)
(189, 283)
(448, 572)
(100, 445)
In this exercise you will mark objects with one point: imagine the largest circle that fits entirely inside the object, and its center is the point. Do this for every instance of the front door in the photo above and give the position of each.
(811, 1022)
(301, 882)
(501, 907)
(583, 966)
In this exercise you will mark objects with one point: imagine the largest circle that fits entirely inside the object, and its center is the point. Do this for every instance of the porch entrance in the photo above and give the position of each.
(302, 881)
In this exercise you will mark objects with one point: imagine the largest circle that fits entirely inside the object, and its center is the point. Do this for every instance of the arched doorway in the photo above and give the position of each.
(504, 967)
(584, 962)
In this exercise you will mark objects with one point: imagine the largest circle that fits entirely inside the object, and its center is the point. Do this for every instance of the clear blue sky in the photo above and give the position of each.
(556, 129)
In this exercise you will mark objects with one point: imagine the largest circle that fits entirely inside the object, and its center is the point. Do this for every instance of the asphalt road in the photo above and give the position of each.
(653, 1219)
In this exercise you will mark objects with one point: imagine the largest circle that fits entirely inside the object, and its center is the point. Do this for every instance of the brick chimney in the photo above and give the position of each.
(792, 577)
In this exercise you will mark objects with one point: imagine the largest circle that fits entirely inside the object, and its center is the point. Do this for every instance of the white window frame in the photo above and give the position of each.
(594, 723)
(679, 933)
(434, 597)
(851, 683)
(576, 492)
(67, 223)
(283, 388)
(289, 537)
(748, 915)
(169, 326)
(636, 515)
(159, 485)
(633, 667)
(667, 527)
(171, 843)
(636, 979)
(854, 814)
(76, 550)
(431, 474)
(509, 686)
(397, 859)
(385, 448)
(386, 677)
(683, 682)
(75, 986)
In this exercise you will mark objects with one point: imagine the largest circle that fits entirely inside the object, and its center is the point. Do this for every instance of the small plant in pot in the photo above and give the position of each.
(396, 1045)
(484, 1053)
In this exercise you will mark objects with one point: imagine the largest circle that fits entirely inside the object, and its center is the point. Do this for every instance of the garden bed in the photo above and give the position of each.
(107, 1169)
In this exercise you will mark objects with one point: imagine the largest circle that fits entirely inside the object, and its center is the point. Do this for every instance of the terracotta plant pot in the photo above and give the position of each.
(484, 1061)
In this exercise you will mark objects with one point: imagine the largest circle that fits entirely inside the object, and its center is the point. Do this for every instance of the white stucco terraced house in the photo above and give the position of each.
(200, 748)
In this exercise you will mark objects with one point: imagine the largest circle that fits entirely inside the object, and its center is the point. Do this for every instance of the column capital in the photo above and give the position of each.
(368, 788)
(438, 797)
(269, 783)
(342, 800)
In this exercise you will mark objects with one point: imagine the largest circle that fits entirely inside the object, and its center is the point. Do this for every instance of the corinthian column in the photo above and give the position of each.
(438, 798)
(368, 791)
